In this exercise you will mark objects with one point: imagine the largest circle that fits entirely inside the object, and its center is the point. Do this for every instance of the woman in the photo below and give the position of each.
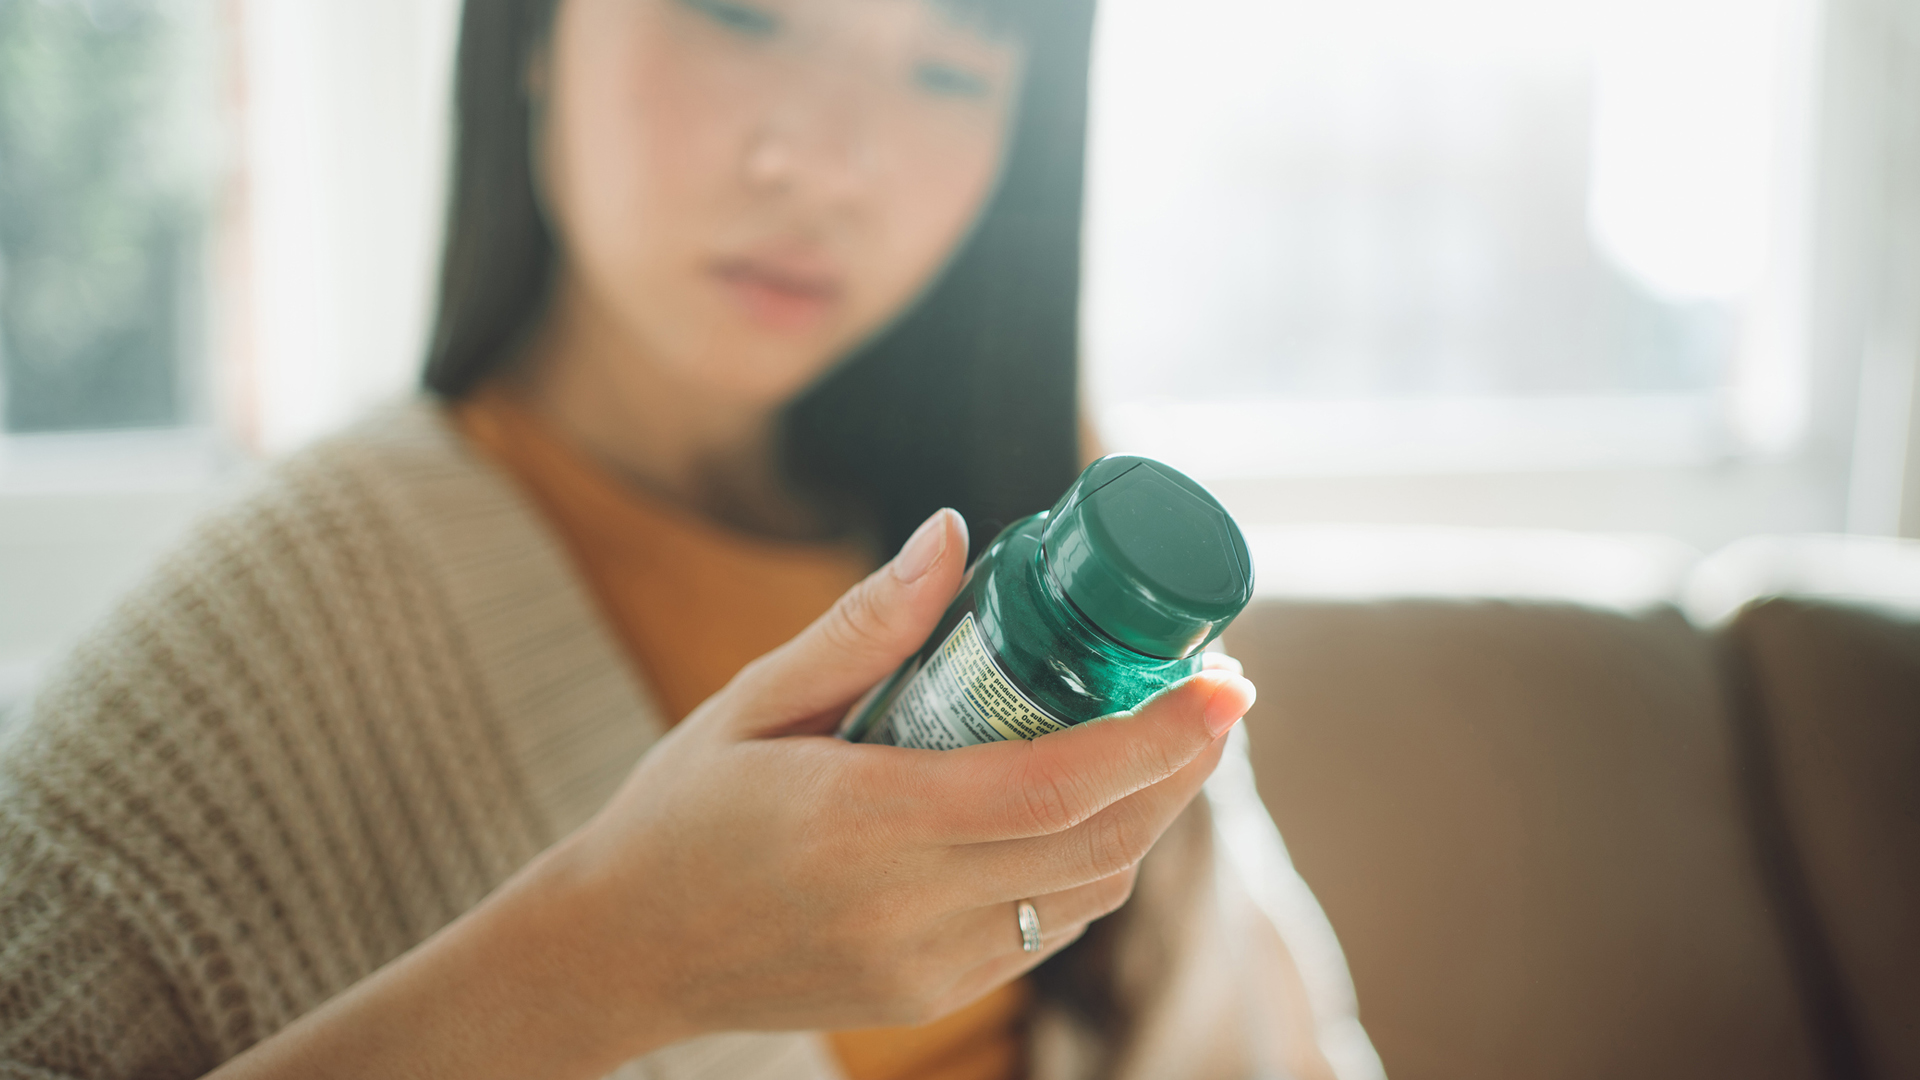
(737, 292)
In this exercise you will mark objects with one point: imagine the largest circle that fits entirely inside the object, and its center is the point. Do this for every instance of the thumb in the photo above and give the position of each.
(860, 640)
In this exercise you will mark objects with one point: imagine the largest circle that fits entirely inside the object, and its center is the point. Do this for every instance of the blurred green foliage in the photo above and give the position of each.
(100, 230)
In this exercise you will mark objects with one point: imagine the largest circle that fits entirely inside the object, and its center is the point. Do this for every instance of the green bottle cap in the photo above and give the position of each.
(1148, 556)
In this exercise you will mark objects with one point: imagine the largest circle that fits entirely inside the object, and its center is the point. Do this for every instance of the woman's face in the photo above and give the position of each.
(746, 189)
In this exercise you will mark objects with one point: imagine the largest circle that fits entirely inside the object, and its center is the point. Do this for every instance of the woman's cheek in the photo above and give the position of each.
(936, 203)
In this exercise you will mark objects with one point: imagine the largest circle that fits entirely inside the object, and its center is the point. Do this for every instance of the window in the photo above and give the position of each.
(218, 223)
(116, 152)
(110, 152)
(1447, 235)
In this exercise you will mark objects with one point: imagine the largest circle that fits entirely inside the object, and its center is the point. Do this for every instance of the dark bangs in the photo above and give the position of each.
(1001, 18)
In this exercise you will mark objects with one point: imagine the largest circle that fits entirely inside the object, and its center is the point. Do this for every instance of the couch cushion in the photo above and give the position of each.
(1834, 692)
(1523, 823)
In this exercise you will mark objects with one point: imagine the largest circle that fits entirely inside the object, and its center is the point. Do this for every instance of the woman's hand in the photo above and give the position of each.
(755, 873)
(767, 877)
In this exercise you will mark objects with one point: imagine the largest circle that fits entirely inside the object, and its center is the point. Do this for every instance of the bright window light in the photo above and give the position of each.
(1684, 139)
(1321, 236)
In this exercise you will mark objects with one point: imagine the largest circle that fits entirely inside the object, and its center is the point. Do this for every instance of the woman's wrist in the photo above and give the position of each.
(582, 941)
(535, 980)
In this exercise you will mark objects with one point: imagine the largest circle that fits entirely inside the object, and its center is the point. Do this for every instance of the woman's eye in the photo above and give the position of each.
(947, 80)
(742, 19)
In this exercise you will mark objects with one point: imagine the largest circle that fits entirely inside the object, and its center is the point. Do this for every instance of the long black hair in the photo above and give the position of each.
(968, 400)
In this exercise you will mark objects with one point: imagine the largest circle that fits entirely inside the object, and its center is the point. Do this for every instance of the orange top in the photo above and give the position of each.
(693, 602)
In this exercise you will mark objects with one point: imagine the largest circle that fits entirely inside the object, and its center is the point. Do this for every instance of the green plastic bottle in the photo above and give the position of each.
(1075, 613)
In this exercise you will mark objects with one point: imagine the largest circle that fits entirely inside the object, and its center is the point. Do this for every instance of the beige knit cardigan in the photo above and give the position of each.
(359, 699)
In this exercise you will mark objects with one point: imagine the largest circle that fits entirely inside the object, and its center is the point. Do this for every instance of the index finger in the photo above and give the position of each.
(1009, 790)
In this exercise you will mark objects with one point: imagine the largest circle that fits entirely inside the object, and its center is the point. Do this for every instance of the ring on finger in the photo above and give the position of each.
(1029, 927)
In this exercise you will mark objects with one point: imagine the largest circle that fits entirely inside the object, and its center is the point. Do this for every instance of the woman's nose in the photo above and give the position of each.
(820, 142)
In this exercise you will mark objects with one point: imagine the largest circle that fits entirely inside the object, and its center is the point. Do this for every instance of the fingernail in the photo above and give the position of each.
(922, 549)
(1230, 701)
(1219, 661)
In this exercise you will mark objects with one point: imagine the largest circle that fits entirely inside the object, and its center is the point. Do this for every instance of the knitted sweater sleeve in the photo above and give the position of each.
(81, 993)
(268, 773)
(110, 917)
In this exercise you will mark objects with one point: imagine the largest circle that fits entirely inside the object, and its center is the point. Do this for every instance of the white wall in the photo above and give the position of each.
(345, 145)
(81, 520)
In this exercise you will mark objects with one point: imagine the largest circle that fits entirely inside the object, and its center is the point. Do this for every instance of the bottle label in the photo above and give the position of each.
(960, 698)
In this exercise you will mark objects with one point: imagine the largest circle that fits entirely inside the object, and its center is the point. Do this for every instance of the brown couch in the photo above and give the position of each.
(1560, 841)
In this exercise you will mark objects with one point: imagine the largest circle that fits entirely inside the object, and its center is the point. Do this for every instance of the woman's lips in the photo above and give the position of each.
(779, 297)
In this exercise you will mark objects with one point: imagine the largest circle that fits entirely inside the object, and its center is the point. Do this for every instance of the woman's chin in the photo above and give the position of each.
(760, 375)
(752, 360)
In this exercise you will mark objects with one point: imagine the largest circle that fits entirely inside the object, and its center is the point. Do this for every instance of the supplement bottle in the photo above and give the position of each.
(1075, 613)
